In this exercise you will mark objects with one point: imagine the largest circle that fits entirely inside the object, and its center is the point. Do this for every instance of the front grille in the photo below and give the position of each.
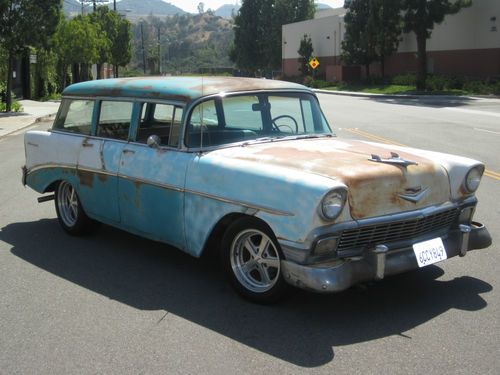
(372, 235)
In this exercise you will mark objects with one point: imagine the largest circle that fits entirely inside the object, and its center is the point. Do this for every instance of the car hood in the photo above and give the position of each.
(374, 188)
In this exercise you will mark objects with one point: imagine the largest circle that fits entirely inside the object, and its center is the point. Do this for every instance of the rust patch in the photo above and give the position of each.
(102, 177)
(85, 178)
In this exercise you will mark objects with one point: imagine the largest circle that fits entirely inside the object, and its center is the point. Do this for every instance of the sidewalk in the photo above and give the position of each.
(404, 96)
(32, 112)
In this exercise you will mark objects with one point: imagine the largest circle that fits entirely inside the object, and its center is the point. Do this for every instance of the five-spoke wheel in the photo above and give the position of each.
(252, 258)
(69, 210)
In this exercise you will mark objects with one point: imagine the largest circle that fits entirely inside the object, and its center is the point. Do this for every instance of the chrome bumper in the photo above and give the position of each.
(377, 263)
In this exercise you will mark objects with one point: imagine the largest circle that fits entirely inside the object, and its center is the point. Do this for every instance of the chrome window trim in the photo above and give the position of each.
(194, 103)
(165, 186)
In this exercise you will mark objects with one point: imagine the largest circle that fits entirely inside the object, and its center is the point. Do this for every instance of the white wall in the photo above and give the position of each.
(471, 28)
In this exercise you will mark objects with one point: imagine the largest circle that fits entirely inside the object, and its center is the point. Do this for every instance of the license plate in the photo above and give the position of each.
(429, 252)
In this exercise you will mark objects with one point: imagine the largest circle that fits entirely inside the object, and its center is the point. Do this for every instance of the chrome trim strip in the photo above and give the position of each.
(152, 183)
(240, 203)
(165, 186)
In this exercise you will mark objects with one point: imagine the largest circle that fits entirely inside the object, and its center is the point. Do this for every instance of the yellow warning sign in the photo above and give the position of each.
(314, 63)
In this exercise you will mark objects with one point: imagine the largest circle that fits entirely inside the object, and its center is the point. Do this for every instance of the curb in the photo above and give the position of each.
(401, 96)
(37, 120)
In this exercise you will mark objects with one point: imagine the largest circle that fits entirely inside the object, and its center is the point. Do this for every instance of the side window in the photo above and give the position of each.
(75, 116)
(287, 113)
(307, 113)
(203, 119)
(240, 114)
(114, 119)
(163, 120)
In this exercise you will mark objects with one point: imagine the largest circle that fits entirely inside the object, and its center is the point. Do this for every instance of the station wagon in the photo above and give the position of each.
(250, 169)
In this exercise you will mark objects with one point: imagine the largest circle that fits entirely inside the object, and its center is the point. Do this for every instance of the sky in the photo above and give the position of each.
(192, 5)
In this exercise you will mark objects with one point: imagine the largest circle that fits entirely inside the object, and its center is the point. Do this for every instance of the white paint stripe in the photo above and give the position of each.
(487, 131)
(473, 112)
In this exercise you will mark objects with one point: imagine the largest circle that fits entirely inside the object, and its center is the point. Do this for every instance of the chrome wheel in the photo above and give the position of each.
(255, 261)
(67, 204)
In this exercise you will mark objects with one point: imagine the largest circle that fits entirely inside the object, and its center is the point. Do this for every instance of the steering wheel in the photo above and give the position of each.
(277, 127)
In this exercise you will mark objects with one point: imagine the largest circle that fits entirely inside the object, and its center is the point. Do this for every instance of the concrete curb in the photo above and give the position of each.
(402, 96)
(35, 121)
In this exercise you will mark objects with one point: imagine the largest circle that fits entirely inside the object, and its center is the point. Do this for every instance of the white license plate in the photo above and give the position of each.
(429, 252)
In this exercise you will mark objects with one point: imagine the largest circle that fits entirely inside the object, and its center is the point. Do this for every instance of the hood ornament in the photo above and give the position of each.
(414, 194)
(395, 159)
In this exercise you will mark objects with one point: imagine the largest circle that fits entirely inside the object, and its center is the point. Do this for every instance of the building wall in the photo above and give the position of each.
(466, 43)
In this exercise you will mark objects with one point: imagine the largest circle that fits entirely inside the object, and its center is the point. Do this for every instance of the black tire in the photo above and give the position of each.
(70, 213)
(251, 256)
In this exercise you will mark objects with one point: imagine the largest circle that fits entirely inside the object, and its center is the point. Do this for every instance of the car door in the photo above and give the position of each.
(151, 185)
(99, 159)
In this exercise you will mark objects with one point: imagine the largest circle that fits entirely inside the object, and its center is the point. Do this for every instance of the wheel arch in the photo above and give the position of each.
(214, 240)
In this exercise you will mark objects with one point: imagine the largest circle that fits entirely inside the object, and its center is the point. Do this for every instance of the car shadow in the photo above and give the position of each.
(425, 101)
(303, 329)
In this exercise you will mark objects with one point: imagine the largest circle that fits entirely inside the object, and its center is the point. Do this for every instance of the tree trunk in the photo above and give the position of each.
(367, 70)
(422, 60)
(115, 70)
(8, 94)
(75, 70)
(98, 67)
(382, 65)
(26, 74)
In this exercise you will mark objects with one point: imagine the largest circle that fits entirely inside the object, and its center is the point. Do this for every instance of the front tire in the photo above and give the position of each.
(70, 213)
(251, 258)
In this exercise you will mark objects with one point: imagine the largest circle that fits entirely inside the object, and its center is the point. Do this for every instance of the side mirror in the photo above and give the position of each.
(153, 141)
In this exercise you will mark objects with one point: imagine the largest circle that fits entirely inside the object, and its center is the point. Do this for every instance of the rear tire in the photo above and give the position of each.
(251, 258)
(70, 213)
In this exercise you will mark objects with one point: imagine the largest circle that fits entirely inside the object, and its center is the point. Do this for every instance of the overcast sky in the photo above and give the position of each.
(192, 5)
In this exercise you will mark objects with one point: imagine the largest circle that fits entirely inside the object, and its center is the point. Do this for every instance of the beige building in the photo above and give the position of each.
(467, 43)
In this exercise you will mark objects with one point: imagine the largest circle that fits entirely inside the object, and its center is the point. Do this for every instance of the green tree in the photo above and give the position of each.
(116, 38)
(121, 46)
(420, 16)
(77, 41)
(25, 23)
(387, 26)
(257, 31)
(305, 52)
(359, 39)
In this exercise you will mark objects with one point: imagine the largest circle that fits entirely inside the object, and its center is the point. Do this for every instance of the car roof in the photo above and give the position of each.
(176, 88)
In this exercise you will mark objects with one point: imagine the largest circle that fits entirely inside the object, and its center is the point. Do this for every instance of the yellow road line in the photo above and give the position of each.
(492, 174)
(487, 172)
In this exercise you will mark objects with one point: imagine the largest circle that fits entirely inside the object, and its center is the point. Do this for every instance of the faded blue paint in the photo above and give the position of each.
(254, 183)
(40, 179)
(157, 206)
(174, 88)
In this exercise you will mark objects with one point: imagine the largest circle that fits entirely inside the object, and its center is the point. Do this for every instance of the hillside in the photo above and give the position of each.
(227, 11)
(134, 9)
(146, 7)
(188, 42)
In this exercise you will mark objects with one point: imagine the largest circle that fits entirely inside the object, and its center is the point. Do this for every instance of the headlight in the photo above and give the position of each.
(473, 178)
(333, 203)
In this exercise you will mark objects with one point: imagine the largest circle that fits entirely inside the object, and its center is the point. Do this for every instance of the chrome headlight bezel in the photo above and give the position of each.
(333, 204)
(473, 178)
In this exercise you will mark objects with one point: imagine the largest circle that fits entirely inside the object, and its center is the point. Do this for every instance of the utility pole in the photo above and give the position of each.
(82, 7)
(114, 5)
(143, 53)
(159, 54)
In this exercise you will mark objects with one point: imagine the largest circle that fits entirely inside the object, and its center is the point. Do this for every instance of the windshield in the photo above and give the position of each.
(254, 117)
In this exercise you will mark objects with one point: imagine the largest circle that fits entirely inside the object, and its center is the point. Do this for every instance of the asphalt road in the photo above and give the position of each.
(114, 303)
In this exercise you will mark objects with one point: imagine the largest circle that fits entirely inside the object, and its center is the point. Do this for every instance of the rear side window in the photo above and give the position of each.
(114, 119)
(162, 120)
(75, 116)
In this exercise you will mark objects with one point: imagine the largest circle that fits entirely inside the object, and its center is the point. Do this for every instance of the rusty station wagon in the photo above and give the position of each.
(251, 167)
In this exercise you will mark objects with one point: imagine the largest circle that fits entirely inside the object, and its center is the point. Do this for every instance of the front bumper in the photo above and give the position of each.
(377, 263)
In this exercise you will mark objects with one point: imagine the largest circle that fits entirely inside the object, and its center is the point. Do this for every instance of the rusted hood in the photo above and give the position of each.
(375, 188)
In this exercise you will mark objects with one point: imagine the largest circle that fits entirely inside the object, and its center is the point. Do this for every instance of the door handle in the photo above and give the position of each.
(126, 151)
(86, 143)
